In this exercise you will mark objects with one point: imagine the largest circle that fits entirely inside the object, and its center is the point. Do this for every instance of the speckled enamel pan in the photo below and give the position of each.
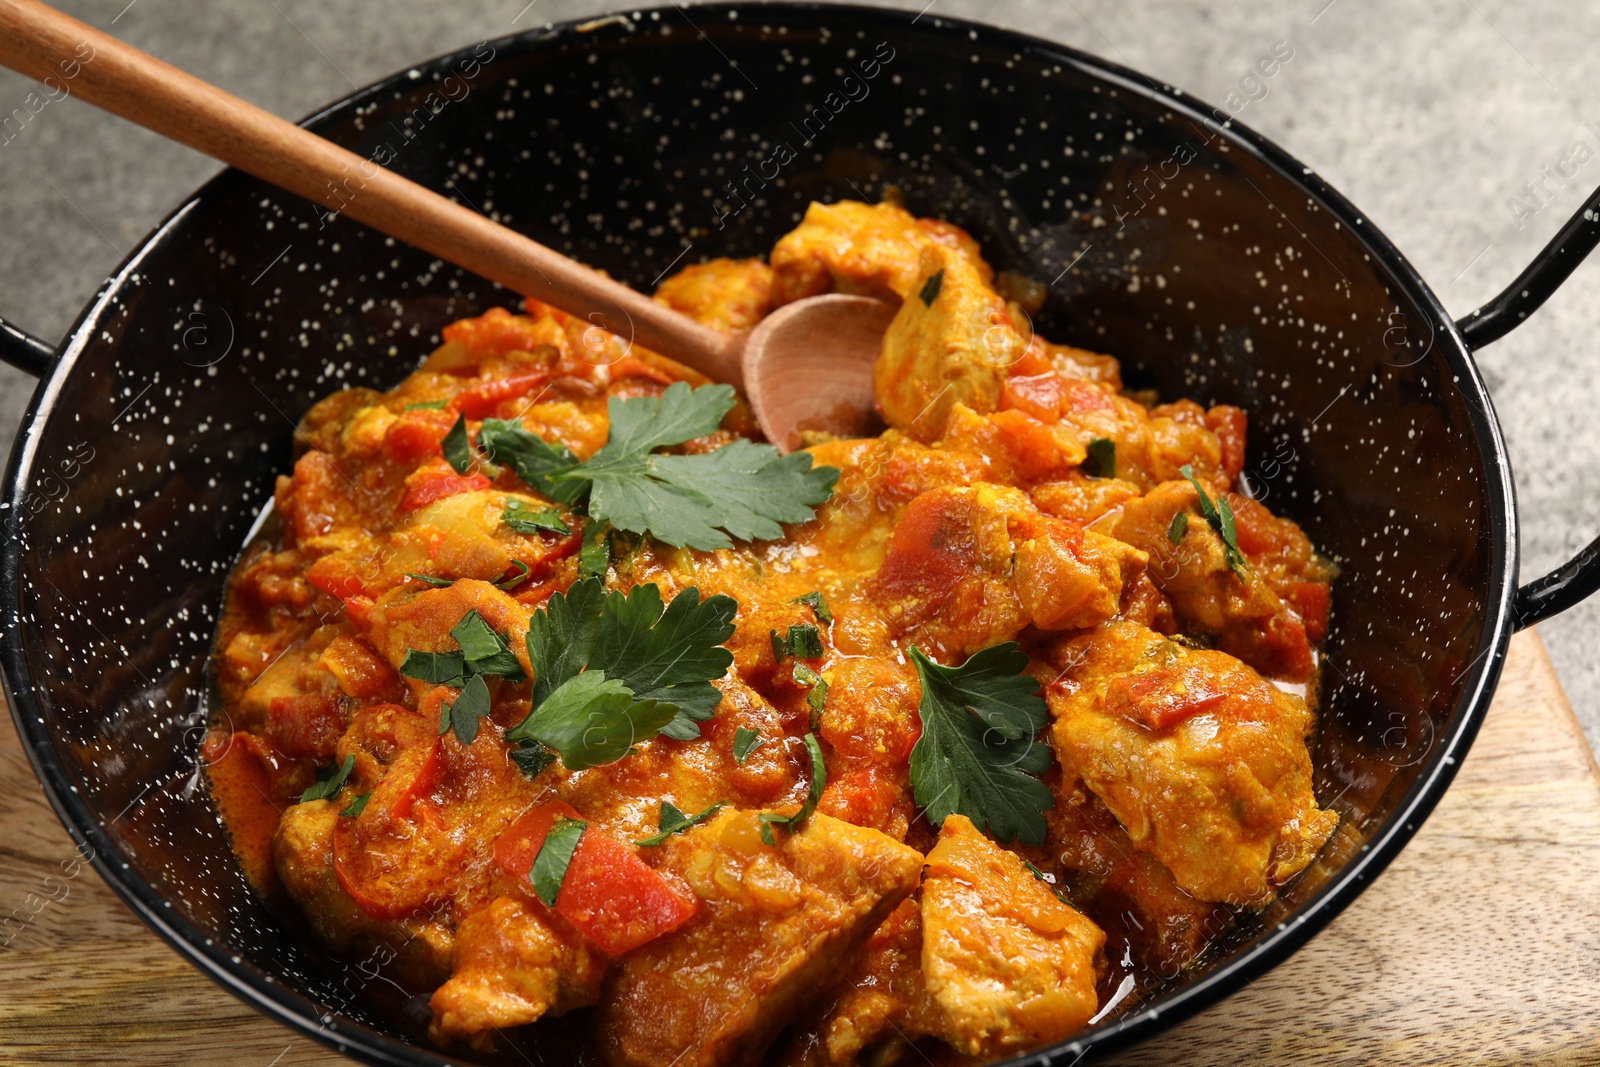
(1215, 265)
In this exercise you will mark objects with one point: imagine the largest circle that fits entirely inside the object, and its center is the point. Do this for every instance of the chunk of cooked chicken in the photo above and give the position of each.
(1202, 761)
(1008, 964)
(730, 295)
(1243, 612)
(775, 924)
(869, 249)
(951, 342)
(970, 566)
(513, 966)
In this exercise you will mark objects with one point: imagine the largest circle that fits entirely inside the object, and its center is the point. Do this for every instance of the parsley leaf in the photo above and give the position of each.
(672, 821)
(593, 720)
(356, 806)
(456, 449)
(819, 778)
(613, 669)
(484, 650)
(428, 405)
(745, 741)
(1179, 526)
(329, 780)
(526, 520)
(1100, 459)
(435, 668)
(1219, 516)
(931, 287)
(531, 757)
(742, 490)
(594, 555)
(549, 868)
(977, 749)
(818, 694)
(818, 605)
(516, 579)
(533, 459)
(471, 705)
(437, 583)
(803, 641)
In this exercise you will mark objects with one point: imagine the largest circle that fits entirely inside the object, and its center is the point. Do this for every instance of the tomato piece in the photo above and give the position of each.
(307, 725)
(864, 796)
(609, 894)
(358, 670)
(427, 484)
(396, 857)
(932, 548)
(336, 576)
(497, 331)
(1312, 602)
(1229, 423)
(416, 435)
(1035, 449)
(1034, 360)
(1085, 396)
(482, 401)
(634, 367)
(1163, 696)
(358, 608)
(1039, 395)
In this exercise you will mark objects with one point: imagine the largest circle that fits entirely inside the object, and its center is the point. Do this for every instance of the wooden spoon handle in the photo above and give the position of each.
(42, 43)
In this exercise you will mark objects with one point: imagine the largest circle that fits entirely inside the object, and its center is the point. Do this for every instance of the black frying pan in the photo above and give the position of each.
(151, 444)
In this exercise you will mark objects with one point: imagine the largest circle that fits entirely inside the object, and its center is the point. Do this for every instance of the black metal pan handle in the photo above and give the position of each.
(24, 351)
(1579, 577)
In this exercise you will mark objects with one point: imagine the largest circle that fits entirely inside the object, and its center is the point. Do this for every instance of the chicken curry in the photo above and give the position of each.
(553, 683)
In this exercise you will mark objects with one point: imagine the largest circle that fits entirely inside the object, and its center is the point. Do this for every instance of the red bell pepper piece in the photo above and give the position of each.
(610, 895)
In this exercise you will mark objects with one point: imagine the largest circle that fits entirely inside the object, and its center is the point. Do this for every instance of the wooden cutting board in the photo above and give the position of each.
(1480, 945)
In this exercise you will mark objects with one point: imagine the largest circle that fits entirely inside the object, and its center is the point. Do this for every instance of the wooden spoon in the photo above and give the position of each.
(807, 366)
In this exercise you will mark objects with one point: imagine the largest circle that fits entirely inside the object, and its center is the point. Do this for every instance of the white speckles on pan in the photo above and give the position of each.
(639, 142)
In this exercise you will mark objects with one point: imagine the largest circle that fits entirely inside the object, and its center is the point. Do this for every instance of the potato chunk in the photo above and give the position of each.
(1202, 761)
(776, 924)
(513, 967)
(1009, 965)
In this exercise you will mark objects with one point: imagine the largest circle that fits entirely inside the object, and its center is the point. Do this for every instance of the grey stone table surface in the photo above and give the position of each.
(1433, 115)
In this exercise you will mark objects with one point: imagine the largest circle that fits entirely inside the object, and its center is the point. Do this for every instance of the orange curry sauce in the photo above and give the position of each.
(1172, 670)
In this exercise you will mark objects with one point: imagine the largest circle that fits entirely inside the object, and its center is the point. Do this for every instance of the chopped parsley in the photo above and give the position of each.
(531, 757)
(526, 520)
(672, 821)
(437, 583)
(356, 806)
(470, 705)
(456, 449)
(1219, 516)
(428, 405)
(1100, 459)
(516, 579)
(594, 555)
(745, 741)
(480, 651)
(804, 641)
(329, 780)
(742, 490)
(612, 670)
(549, 868)
(1049, 882)
(818, 605)
(818, 690)
(819, 778)
(1178, 527)
(931, 287)
(977, 751)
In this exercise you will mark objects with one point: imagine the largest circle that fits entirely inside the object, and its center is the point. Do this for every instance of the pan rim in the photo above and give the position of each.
(350, 1038)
